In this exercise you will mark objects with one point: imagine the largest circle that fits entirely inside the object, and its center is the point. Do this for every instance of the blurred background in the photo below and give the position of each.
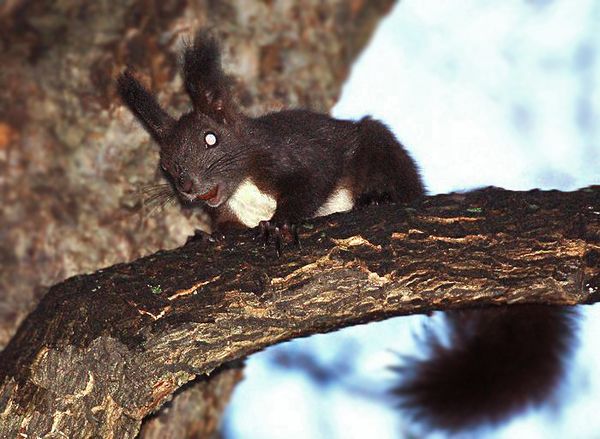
(481, 93)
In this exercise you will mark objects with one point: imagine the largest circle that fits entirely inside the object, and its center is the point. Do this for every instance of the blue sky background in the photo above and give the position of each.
(482, 93)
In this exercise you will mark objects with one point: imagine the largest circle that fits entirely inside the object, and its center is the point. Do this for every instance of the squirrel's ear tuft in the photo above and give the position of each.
(205, 82)
(144, 106)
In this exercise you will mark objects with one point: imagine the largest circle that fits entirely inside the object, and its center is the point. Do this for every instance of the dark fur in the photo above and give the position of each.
(205, 82)
(144, 106)
(499, 361)
(298, 156)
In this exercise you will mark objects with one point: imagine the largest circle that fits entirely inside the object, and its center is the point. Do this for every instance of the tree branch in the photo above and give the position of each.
(74, 167)
(104, 350)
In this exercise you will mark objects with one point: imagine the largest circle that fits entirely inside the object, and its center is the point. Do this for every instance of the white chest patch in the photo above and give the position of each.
(250, 205)
(340, 200)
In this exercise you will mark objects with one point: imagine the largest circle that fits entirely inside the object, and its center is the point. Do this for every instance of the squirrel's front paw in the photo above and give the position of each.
(205, 238)
(278, 232)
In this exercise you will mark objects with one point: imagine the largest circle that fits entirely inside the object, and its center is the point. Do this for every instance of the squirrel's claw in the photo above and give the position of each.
(205, 238)
(277, 232)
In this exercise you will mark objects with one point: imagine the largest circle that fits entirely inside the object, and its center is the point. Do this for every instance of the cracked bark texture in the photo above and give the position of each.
(102, 351)
(73, 162)
(196, 409)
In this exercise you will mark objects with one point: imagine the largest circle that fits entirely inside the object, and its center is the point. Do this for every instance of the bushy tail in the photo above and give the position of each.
(495, 363)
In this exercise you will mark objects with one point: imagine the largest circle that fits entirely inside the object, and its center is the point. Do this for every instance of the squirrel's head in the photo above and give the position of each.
(202, 152)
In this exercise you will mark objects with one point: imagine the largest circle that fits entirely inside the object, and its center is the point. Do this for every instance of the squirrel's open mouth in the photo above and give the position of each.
(211, 197)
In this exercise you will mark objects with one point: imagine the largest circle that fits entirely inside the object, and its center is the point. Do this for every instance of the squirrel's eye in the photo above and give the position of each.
(210, 139)
(163, 166)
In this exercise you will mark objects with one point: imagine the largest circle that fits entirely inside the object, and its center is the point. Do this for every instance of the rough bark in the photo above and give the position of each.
(72, 159)
(102, 351)
(196, 409)
(73, 163)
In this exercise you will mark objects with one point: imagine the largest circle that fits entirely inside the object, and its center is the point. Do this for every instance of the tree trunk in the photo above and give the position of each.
(73, 163)
(102, 351)
(196, 408)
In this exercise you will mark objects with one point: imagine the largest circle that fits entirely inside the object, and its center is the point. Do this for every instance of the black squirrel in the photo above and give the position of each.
(275, 170)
